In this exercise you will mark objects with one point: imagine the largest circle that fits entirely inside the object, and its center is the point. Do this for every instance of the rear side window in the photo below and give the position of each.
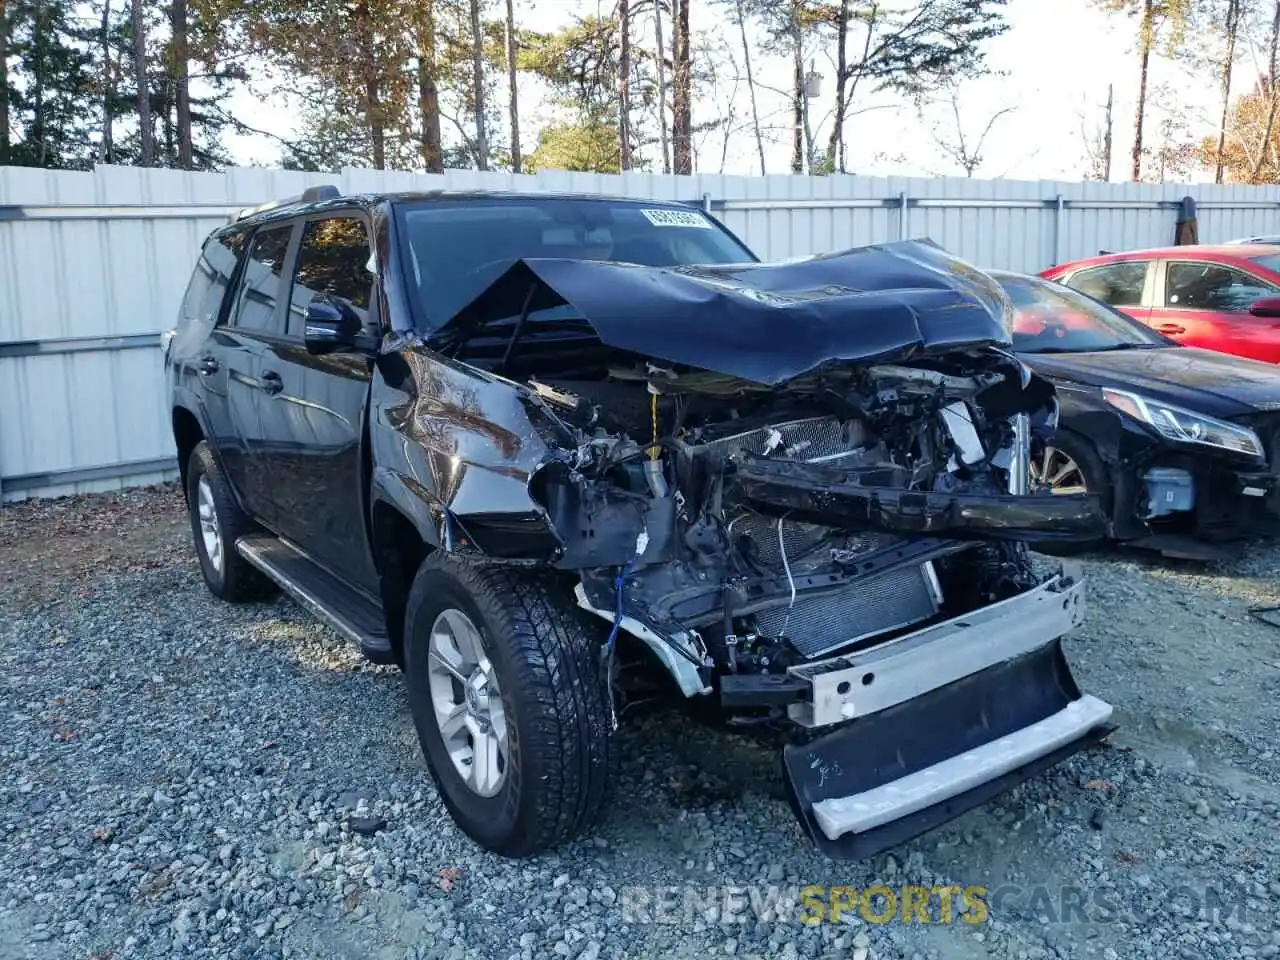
(1119, 284)
(1212, 286)
(193, 301)
(207, 291)
(263, 276)
(333, 260)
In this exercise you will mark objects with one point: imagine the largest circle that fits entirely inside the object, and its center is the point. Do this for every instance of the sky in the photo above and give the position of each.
(1051, 72)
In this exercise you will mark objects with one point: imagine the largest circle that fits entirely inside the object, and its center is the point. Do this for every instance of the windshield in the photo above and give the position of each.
(1055, 319)
(1271, 261)
(454, 249)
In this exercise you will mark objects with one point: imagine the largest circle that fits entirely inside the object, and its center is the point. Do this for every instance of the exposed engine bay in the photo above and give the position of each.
(723, 532)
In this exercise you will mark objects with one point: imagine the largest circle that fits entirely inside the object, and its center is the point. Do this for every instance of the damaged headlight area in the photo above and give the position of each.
(1185, 426)
(750, 529)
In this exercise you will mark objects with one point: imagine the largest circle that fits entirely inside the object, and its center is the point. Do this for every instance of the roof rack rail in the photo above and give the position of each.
(324, 191)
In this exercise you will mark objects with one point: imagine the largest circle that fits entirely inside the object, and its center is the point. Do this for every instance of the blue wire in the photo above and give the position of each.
(613, 637)
(617, 617)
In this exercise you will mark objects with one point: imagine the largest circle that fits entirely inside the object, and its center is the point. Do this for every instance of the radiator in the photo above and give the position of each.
(865, 608)
(811, 440)
(868, 607)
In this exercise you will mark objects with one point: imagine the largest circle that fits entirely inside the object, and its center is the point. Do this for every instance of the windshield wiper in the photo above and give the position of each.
(515, 335)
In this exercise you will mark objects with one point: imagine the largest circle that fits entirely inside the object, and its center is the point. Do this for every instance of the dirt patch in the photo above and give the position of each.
(51, 548)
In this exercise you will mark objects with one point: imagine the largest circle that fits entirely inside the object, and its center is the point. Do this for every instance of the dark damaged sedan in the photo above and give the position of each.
(1179, 443)
(555, 456)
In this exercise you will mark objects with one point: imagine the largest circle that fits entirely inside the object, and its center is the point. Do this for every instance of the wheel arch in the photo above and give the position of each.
(1102, 454)
(188, 431)
(1109, 479)
(402, 535)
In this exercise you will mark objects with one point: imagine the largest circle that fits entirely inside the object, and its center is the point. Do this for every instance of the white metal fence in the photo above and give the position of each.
(93, 265)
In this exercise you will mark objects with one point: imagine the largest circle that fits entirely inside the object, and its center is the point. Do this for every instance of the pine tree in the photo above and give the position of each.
(47, 73)
(6, 93)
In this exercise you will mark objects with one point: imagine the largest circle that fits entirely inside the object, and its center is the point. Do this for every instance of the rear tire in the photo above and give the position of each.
(538, 650)
(217, 522)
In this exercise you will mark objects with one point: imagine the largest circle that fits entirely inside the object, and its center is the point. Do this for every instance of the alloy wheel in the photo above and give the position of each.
(1057, 472)
(467, 703)
(210, 532)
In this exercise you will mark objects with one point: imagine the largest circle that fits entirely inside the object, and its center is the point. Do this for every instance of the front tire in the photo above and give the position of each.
(217, 522)
(509, 704)
(1069, 464)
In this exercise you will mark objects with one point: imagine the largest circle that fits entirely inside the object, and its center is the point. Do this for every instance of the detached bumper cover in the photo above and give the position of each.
(939, 721)
(892, 776)
(959, 774)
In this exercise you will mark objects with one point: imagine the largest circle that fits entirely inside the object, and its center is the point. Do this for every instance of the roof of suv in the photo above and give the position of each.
(300, 206)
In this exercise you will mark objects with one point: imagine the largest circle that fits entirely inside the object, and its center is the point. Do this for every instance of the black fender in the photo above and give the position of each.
(187, 400)
(1123, 446)
(403, 494)
(454, 451)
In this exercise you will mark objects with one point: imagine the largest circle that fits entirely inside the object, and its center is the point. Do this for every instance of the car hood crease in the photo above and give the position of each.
(765, 323)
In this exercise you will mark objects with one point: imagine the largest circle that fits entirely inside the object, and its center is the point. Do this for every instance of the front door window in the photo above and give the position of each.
(1212, 286)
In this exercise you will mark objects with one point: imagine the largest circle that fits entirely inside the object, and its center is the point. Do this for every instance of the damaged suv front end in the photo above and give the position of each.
(801, 489)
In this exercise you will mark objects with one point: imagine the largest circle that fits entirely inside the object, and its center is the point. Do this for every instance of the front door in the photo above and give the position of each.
(317, 417)
(1206, 305)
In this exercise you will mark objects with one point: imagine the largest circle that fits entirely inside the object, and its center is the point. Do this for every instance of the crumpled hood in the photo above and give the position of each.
(766, 323)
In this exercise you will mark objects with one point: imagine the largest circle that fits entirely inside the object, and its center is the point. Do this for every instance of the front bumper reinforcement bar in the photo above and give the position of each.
(836, 497)
(868, 681)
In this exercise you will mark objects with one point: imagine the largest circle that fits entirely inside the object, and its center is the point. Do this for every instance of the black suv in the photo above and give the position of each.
(557, 455)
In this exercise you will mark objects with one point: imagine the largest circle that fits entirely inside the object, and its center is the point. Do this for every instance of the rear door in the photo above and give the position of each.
(1127, 285)
(316, 419)
(258, 320)
(1205, 304)
(200, 339)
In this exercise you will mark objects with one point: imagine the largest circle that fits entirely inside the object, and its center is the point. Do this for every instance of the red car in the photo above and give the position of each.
(1224, 298)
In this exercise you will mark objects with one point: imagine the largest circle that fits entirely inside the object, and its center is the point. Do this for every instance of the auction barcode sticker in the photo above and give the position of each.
(677, 218)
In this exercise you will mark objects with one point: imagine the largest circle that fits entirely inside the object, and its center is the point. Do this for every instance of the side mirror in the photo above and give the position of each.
(1266, 307)
(330, 327)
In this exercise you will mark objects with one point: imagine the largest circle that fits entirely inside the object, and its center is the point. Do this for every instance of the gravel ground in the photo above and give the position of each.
(182, 776)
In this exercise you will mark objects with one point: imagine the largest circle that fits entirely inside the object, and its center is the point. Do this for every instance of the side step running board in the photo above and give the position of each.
(350, 612)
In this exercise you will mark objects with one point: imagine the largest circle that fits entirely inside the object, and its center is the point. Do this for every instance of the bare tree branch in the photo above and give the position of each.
(953, 142)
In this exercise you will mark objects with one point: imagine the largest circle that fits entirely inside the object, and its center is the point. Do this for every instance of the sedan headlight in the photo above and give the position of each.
(1184, 426)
